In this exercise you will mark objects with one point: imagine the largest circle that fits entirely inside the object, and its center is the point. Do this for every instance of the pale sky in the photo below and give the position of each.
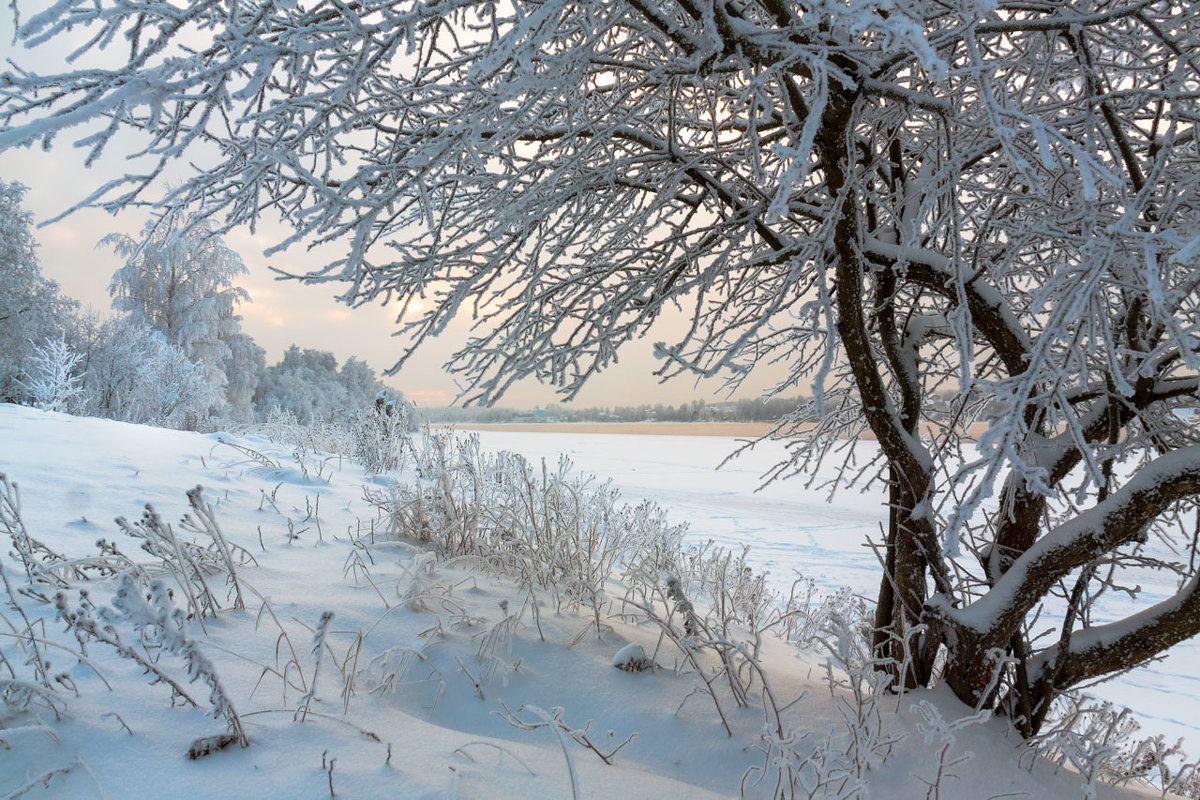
(282, 313)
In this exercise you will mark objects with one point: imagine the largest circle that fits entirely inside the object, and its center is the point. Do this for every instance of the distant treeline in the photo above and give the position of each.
(748, 410)
(174, 355)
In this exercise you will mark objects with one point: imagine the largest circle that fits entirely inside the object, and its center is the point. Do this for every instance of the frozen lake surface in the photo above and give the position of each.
(794, 531)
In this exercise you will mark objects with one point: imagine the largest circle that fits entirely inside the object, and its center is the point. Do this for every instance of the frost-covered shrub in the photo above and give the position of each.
(727, 582)
(840, 763)
(281, 426)
(1099, 741)
(382, 434)
(377, 437)
(546, 527)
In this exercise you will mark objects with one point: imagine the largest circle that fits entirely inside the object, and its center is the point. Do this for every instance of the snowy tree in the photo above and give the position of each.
(131, 373)
(178, 280)
(244, 369)
(308, 384)
(31, 309)
(53, 381)
(991, 200)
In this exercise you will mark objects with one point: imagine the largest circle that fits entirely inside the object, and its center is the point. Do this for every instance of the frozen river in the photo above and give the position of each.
(794, 531)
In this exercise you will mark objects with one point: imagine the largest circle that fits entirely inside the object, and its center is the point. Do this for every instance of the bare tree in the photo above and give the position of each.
(995, 199)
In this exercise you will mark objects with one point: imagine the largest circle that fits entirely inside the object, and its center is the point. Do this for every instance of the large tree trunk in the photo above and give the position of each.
(979, 634)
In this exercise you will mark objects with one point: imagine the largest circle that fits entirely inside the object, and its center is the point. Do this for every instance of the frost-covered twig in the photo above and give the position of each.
(553, 719)
(318, 650)
(204, 520)
(90, 623)
(42, 780)
(187, 563)
(37, 559)
(497, 638)
(251, 453)
(939, 731)
(157, 623)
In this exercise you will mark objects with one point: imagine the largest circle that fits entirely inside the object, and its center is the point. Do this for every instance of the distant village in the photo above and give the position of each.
(747, 410)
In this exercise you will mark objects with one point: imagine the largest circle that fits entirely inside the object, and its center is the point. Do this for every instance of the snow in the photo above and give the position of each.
(443, 730)
(793, 531)
(790, 530)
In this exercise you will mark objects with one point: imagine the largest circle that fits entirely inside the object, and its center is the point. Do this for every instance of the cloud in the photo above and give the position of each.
(261, 312)
(429, 397)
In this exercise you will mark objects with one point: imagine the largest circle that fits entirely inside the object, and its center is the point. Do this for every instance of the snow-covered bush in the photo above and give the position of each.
(1099, 741)
(382, 434)
(378, 437)
(319, 436)
(728, 584)
(545, 527)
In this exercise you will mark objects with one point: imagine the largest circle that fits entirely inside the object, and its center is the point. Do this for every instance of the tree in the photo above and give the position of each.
(53, 380)
(133, 374)
(244, 370)
(31, 310)
(178, 280)
(896, 198)
(309, 384)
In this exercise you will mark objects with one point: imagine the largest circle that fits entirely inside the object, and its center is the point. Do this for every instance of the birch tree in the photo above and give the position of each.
(995, 199)
(178, 280)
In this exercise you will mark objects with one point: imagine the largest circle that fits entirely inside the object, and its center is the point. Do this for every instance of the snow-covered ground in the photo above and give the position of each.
(796, 531)
(402, 705)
